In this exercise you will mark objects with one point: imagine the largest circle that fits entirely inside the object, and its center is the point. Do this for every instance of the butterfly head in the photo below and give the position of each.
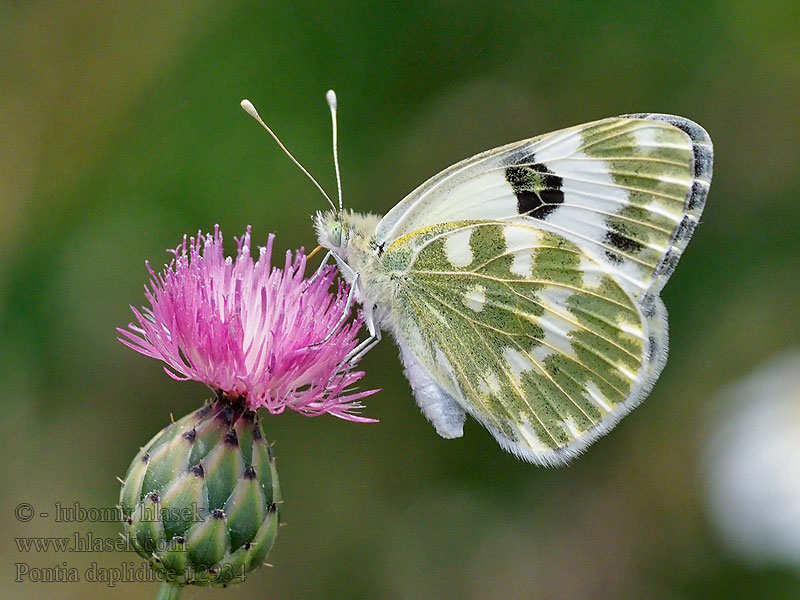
(343, 232)
(331, 230)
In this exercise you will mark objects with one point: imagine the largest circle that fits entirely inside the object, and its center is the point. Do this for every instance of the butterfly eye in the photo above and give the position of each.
(335, 233)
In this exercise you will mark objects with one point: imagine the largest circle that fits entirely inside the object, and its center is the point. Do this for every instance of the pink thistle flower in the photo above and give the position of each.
(249, 330)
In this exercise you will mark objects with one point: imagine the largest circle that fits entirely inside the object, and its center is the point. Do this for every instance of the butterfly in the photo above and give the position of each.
(522, 285)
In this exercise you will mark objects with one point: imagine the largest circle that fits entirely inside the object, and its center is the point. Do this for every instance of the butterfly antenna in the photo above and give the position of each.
(251, 110)
(331, 98)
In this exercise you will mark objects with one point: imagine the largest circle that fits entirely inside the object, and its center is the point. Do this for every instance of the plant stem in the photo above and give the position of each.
(169, 590)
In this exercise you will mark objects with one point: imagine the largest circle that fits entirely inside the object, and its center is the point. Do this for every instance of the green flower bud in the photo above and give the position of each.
(200, 500)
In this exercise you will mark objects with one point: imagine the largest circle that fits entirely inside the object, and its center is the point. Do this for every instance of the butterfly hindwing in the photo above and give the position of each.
(534, 339)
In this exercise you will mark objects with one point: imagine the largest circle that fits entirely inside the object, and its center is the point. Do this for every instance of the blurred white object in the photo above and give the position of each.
(753, 463)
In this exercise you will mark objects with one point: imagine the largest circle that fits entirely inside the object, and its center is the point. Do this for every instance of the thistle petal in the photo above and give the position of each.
(247, 329)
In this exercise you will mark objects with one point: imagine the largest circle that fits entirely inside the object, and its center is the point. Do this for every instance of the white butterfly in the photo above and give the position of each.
(522, 284)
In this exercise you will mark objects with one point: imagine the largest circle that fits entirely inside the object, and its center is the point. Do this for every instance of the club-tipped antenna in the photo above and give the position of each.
(331, 98)
(251, 110)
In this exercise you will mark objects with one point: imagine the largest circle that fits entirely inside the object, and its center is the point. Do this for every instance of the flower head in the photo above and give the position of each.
(251, 330)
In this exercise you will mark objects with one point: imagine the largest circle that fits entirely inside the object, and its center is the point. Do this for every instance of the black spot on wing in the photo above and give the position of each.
(697, 197)
(667, 265)
(622, 242)
(685, 229)
(537, 188)
(648, 305)
(703, 161)
(651, 347)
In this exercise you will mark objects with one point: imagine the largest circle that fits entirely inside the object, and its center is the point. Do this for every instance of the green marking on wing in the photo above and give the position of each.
(628, 185)
(539, 350)
(651, 162)
(650, 159)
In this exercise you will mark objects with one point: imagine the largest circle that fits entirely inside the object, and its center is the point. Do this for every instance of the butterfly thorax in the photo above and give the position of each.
(350, 236)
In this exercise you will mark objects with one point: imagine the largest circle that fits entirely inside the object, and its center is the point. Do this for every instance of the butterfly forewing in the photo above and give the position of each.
(627, 190)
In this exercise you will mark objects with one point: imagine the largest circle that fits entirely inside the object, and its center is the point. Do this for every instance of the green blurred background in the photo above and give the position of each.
(121, 130)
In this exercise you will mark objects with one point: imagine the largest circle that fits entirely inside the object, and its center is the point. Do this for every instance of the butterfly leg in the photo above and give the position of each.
(345, 313)
(355, 355)
(319, 270)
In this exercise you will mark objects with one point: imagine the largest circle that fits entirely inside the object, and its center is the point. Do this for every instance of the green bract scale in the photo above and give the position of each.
(200, 500)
